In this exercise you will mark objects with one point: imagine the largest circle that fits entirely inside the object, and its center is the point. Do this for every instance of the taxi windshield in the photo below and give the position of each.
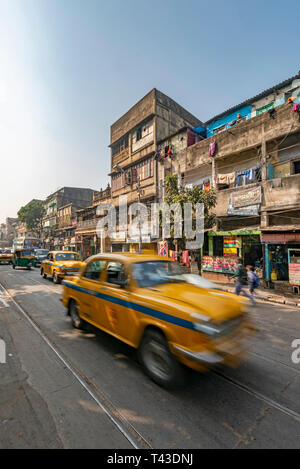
(41, 252)
(67, 256)
(151, 273)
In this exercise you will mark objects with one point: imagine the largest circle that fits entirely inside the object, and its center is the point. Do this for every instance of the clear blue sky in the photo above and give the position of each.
(70, 68)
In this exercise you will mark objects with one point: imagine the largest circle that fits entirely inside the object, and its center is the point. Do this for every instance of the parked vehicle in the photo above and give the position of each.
(145, 301)
(23, 258)
(40, 255)
(59, 264)
(6, 256)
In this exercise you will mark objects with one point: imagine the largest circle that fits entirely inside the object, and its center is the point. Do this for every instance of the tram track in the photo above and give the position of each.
(125, 427)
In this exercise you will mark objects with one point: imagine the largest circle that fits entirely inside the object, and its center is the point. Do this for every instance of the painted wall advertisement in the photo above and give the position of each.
(231, 244)
(225, 265)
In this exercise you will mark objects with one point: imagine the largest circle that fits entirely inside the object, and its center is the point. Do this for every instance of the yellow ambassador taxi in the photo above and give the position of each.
(6, 256)
(59, 264)
(145, 301)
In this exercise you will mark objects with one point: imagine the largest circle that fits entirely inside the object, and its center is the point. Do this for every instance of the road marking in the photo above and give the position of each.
(128, 431)
(3, 301)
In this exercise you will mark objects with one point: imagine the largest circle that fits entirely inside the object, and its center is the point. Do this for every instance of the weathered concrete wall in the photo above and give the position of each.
(139, 112)
(281, 193)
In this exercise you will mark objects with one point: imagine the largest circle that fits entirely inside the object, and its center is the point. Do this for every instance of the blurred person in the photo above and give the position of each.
(241, 280)
(253, 280)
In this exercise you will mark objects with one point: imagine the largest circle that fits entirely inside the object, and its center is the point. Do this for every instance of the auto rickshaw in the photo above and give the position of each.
(24, 258)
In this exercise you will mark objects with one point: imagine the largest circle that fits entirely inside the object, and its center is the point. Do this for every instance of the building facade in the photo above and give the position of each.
(87, 240)
(134, 162)
(58, 223)
(254, 167)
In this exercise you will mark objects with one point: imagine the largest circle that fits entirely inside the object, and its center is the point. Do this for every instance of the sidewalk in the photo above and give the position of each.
(264, 294)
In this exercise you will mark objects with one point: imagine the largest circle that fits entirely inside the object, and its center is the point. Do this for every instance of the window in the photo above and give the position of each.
(151, 273)
(296, 167)
(116, 273)
(138, 134)
(94, 269)
(67, 257)
(119, 146)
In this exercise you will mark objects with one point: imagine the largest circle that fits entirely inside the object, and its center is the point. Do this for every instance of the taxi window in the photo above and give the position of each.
(116, 273)
(94, 269)
(67, 256)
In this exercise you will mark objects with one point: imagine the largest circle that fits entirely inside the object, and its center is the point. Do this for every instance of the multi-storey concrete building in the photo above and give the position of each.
(87, 239)
(60, 207)
(254, 166)
(133, 143)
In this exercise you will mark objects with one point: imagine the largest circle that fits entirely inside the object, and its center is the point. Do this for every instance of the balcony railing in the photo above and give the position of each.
(84, 223)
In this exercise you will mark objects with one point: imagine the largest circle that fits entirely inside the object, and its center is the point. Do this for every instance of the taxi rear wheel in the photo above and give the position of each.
(77, 322)
(158, 362)
(43, 273)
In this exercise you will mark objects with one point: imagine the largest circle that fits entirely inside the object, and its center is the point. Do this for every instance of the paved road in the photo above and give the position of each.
(83, 389)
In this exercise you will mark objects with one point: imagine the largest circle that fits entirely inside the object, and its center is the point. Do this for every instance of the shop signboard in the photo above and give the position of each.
(236, 201)
(225, 265)
(279, 238)
(246, 198)
(294, 273)
(230, 246)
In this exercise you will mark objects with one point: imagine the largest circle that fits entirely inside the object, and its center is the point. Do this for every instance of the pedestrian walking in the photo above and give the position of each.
(253, 280)
(241, 280)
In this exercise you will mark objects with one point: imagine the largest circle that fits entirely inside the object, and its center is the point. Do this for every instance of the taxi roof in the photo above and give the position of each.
(129, 257)
(63, 252)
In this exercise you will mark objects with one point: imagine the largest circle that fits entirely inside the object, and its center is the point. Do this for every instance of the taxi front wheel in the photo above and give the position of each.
(56, 278)
(158, 361)
(77, 322)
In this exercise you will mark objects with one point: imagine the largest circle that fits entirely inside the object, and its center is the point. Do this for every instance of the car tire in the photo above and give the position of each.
(56, 279)
(158, 361)
(13, 266)
(77, 322)
(43, 274)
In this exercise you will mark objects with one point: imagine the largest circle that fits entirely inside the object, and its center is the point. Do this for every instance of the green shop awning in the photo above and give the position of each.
(240, 232)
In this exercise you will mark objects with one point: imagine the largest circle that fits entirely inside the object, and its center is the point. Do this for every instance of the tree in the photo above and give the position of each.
(182, 195)
(32, 214)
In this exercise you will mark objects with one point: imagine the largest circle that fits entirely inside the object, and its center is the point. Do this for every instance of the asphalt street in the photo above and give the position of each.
(65, 388)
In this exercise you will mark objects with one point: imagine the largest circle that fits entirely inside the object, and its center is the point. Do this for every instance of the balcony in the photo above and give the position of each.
(282, 193)
(88, 223)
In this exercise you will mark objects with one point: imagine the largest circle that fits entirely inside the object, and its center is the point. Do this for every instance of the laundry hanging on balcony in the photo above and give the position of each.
(227, 179)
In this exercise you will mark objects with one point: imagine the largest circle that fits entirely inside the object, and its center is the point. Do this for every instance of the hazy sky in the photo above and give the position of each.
(70, 68)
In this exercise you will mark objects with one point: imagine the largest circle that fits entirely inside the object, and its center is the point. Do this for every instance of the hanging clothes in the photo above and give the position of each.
(185, 258)
(212, 148)
(228, 178)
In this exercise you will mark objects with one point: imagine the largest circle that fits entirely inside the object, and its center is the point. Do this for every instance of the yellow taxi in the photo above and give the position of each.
(59, 264)
(146, 302)
(6, 256)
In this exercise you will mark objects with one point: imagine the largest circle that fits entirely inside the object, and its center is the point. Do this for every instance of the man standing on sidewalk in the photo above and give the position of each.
(242, 280)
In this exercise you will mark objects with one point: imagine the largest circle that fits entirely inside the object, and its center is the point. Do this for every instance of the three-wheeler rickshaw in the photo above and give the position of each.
(23, 258)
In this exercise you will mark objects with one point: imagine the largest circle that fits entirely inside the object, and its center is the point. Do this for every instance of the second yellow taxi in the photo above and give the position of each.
(59, 264)
(6, 256)
(146, 302)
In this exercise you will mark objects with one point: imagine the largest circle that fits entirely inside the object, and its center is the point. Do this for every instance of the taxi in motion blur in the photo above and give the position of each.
(59, 264)
(6, 256)
(146, 302)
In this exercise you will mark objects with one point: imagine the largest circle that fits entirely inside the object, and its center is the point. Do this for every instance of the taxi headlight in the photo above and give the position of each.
(207, 329)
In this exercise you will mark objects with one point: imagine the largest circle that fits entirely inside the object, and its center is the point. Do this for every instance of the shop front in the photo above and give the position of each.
(223, 249)
(281, 265)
